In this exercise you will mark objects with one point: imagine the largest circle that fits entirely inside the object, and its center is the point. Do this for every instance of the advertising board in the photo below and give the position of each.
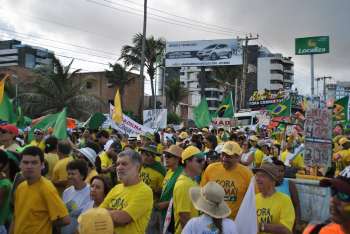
(312, 45)
(203, 53)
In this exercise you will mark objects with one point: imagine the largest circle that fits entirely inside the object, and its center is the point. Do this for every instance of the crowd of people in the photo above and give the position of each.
(185, 181)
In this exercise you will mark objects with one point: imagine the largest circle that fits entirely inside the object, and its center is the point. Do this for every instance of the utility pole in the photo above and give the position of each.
(143, 57)
(324, 78)
(245, 67)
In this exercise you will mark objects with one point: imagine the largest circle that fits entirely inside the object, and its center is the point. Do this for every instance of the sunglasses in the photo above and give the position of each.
(199, 160)
(38, 133)
(340, 195)
(168, 156)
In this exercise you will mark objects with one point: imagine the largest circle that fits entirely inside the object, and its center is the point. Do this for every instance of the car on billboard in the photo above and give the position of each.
(215, 52)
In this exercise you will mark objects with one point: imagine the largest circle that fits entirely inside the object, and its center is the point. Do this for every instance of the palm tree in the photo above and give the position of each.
(227, 75)
(118, 76)
(56, 88)
(131, 55)
(175, 92)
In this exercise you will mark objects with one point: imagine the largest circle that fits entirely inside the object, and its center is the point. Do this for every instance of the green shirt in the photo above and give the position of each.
(5, 212)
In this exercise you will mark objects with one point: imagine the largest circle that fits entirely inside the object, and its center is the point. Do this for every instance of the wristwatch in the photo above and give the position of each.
(262, 227)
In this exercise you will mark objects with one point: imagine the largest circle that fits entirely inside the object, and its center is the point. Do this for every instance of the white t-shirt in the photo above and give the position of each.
(77, 202)
(204, 225)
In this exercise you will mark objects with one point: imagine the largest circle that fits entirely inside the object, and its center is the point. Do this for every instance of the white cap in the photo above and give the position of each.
(89, 153)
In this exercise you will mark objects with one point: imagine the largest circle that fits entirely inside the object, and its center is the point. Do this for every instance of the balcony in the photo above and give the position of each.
(276, 86)
(276, 66)
(278, 77)
(289, 71)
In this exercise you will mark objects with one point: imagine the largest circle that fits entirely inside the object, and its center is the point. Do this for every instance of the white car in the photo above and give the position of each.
(215, 52)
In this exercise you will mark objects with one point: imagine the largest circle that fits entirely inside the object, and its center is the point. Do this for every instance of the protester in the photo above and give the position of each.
(8, 133)
(172, 159)
(59, 174)
(102, 137)
(231, 175)
(247, 157)
(193, 160)
(76, 197)
(38, 139)
(210, 200)
(130, 202)
(297, 162)
(51, 156)
(274, 209)
(339, 206)
(152, 174)
(5, 192)
(99, 188)
(36, 195)
(89, 156)
(210, 143)
(342, 157)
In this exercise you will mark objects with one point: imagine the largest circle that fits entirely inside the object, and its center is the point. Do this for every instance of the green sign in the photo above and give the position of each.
(312, 45)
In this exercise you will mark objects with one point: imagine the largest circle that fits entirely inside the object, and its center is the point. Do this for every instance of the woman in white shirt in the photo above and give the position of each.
(210, 200)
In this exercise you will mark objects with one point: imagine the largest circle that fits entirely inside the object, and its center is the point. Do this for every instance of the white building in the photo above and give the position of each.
(275, 72)
(338, 89)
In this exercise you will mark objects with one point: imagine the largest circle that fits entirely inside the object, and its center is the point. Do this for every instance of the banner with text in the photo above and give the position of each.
(155, 119)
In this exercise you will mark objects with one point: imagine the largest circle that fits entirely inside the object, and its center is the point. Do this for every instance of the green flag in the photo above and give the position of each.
(6, 110)
(60, 127)
(201, 114)
(280, 109)
(341, 109)
(225, 110)
(95, 121)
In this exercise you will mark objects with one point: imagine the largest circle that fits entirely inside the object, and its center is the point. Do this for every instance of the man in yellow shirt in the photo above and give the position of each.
(38, 207)
(130, 202)
(38, 139)
(193, 160)
(108, 159)
(275, 211)
(231, 175)
(59, 173)
(297, 162)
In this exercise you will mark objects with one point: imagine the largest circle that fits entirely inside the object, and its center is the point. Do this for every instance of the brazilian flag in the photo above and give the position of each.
(201, 113)
(280, 109)
(225, 110)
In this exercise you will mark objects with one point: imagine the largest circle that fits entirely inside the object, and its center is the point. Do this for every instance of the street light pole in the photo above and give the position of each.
(143, 48)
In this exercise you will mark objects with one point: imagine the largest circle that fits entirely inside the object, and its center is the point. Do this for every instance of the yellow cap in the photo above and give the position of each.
(183, 135)
(205, 130)
(253, 138)
(231, 148)
(343, 140)
(189, 152)
(96, 220)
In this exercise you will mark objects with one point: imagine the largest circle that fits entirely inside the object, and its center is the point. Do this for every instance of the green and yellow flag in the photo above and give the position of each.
(201, 114)
(225, 110)
(280, 109)
(341, 109)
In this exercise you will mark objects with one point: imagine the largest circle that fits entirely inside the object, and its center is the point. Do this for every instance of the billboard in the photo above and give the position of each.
(203, 53)
(312, 45)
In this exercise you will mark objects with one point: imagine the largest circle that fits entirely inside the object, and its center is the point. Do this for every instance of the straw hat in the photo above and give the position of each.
(210, 200)
(269, 168)
(95, 221)
(89, 153)
(174, 150)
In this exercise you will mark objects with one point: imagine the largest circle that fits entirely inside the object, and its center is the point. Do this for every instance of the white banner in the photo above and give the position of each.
(129, 126)
(155, 119)
(203, 53)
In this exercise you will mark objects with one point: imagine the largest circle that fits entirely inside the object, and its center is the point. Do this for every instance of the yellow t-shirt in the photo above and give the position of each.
(152, 178)
(59, 172)
(105, 160)
(258, 157)
(235, 183)
(182, 200)
(40, 144)
(51, 159)
(167, 177)
(92, 173)
(298, 161)
(136, 200)
(37, 206)
(276, 209)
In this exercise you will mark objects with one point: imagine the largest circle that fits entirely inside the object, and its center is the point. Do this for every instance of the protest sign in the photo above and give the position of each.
(318, 137)
(155, 119)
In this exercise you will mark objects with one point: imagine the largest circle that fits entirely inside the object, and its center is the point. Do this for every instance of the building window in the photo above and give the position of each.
(29, 61)
(89, 85)
(273, 71)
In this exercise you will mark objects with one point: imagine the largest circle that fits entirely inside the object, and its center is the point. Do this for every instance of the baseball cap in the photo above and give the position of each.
(231, 148)
(269, 168)
(150, 148)
(96, 221)
(10, 128)
(183, 135)
(191, 151)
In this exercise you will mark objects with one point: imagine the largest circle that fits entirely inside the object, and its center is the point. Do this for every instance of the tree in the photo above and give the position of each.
(118, 76)
(227, 75)
(175, 92)
(56, 88)
(131, 55)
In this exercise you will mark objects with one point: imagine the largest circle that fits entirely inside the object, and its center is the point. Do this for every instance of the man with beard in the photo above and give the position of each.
(130, 203)
(231, 175)
(339, 206)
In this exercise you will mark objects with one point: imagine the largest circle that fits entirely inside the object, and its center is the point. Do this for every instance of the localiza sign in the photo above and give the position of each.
(203, 53)
(312, 45)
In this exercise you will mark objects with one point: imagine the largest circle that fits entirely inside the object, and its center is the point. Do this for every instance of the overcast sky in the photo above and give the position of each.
(95, 30)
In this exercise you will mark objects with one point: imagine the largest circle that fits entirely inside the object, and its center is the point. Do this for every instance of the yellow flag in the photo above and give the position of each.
(117, 113)
(2, 87)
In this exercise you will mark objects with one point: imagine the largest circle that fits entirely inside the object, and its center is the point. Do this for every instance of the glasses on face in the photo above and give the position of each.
(38, 133)
(340, 195)
(199, 160)
(168, 156)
